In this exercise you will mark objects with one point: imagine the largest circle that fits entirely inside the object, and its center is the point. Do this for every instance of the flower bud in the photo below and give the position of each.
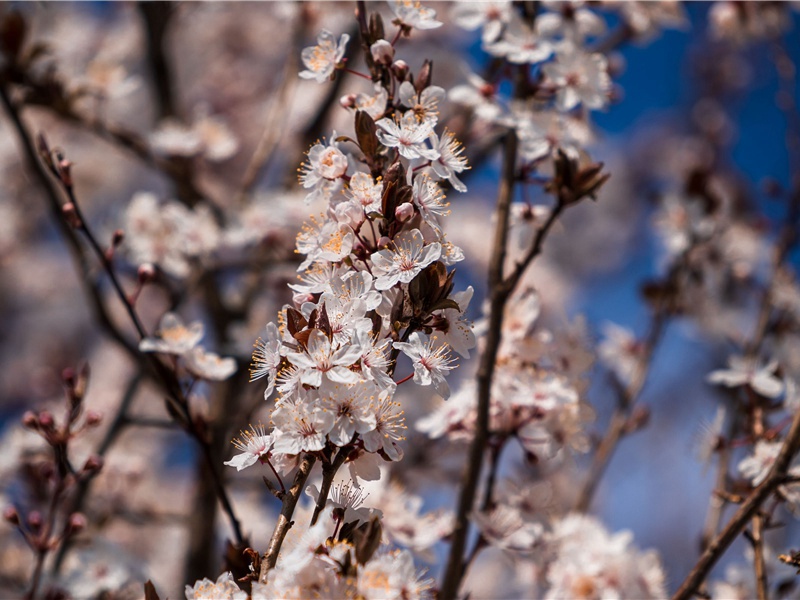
(30, 420)
(404, 212)
(93, 418)
(11, 515)
(348, 101)
(76, 523)
(299, 299)
(46, 420)
(400, 69)
(93, 464)
(35, 521)
(382, 52)
(146, 273)
(71, 215)
(384, 242)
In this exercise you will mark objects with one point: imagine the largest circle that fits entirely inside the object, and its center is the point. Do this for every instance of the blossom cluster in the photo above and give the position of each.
(374, 280)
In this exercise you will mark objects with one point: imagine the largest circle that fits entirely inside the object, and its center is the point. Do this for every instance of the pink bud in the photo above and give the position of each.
(30, 420)
(93, 418)
(46, 419)
(400, 69)
(384, 242)
(77, 522)
(35, 520)
(146, 273)
(71, 215)
(68, 375)
(348, 101)
(299, 299)
(404, 212)
(93, 464)
(382, 52)
(11, 515)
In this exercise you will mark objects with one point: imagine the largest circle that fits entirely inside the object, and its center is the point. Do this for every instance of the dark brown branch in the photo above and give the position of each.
(746, 512)
(285, 518)
(328, 473)
(499, 294)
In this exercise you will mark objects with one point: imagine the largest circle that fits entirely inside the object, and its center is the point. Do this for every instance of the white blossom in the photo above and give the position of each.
(431, 360)
(405, 261)
(321, 60)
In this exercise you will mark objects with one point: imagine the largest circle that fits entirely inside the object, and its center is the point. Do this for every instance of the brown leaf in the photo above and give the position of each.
(295, 321)
(150, 591)
(366, 134)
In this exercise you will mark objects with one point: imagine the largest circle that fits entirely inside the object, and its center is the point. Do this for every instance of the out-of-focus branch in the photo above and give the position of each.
(748, 509)
(166, 377)
(285, 518)
(498, 297)
(156, 17)
(121, 420)
(276, 116)
(620, 419)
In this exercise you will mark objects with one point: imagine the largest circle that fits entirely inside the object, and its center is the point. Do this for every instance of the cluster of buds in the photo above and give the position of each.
(45, 530)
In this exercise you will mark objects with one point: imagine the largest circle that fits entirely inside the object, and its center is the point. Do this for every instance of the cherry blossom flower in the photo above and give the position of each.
(393, 575)
(208, 136)
(450, 160)
(479, 95)
(267, 358)
(491, 16)
(408, 135)
(591, 563)
(620, 351)
(505, 528)
(168, 234)
(322, 359)
(405, 261)
(744, 371)
(373, 104)
(431, 360)
(570, 20)
(365, 192)
(302, 428)
(412, 14)
(450, 325)
(326, 241)
(209, 366)
(353, 408)
(224, 588)
(758, 465)
(429, 200)
(253, 444)
(520, 44)
(374, 361)
(323, 171)
(388, 429)
(581, 78)
(346, 501)
(173, 337)
(425, 105)
(321, 60)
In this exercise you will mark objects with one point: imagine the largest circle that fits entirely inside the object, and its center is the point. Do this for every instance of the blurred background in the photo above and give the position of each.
(229, 116)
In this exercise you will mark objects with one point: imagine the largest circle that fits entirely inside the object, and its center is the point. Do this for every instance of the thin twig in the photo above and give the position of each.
(621, 416)
(328, 473)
